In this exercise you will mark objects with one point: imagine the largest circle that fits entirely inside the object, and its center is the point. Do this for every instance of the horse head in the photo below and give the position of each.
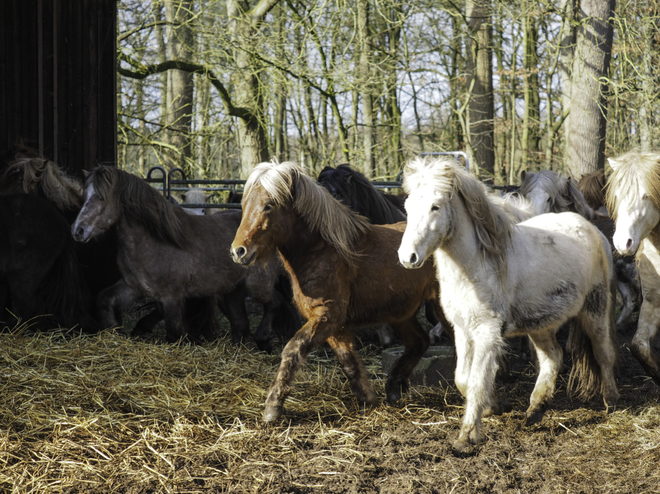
(633, 197)
(429, 185)
(99, 211)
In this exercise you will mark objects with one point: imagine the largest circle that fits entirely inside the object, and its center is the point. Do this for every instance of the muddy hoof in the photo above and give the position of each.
(534, 417)
(499, 408)
(461, 446)
(271, 414)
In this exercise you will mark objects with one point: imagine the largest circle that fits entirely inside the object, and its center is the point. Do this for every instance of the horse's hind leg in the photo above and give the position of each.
(343, 344)
(549, 355)
(647, 327)
(416, 342)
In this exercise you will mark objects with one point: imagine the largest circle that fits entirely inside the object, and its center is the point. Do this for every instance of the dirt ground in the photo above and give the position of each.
(104, 413)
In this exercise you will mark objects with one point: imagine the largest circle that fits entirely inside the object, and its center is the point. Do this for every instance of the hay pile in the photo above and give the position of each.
(104, 413)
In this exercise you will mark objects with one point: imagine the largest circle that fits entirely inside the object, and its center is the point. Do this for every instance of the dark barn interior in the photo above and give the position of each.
(58, 79)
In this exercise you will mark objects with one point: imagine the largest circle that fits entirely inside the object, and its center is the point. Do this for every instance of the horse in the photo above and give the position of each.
(592, 186)
(195, 196)
(39, 266)
(353, 189)
(356, 191)
(633, 197)
(344, 274)
(499, 279)
(552, 193)
(167, 255)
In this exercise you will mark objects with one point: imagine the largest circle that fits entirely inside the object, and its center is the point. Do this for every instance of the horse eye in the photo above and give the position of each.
(549, 200)
(645, 197)
(435, 208)
(268, 207)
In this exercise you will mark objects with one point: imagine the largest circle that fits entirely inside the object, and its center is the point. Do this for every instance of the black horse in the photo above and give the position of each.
(354, 190)
(39, 270)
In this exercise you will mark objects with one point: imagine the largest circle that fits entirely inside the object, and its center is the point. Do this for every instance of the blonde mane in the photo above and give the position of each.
(288, 185)
(629, 172)
(44, 177)
(492, 220)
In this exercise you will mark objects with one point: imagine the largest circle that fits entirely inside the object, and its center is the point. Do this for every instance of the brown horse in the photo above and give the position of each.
(344, 272)
(166, 254)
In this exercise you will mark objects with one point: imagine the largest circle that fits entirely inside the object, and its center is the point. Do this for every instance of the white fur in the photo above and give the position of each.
(487, 298)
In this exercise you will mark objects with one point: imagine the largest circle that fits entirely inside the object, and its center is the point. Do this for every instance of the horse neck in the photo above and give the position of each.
(460, 251)
(300, 244)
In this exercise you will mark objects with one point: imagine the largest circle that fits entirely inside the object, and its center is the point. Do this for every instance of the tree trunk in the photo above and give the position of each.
(364, 37)
(480, 73)
(591, 61)
(530, 125)
(178, 14)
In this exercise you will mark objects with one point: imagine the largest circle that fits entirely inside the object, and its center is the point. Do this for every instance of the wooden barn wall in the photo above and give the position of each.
(58, 79)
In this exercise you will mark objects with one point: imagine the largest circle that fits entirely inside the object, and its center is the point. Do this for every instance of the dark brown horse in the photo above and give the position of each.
(344, 272)
(165, 254)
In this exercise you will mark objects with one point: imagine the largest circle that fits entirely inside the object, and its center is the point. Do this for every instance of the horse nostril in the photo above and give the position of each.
(413, 258)
(240, 252)
(80, 231)
(629, 244)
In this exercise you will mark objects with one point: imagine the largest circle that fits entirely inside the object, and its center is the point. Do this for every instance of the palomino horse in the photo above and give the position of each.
(552, 193)
(165, 254)
(38, 264)
(353, 189)
(633, 197)
(501, 279)
(344, 273)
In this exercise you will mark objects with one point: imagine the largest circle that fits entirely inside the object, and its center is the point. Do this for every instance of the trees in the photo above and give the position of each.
(520, 85)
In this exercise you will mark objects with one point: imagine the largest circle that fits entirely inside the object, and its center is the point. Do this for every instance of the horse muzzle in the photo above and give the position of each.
(410, 260)
(81, 233)
(240, 255)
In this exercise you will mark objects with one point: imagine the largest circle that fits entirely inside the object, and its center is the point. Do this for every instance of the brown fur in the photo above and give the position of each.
(334, 291)
(592, 186)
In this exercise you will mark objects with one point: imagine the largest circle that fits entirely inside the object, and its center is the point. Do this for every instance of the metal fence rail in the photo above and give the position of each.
(175, 181)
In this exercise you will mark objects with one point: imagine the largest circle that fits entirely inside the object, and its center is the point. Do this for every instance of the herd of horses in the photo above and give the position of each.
(338, 254)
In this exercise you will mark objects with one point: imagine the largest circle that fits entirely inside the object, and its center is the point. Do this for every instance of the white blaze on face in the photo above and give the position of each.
(636, 217)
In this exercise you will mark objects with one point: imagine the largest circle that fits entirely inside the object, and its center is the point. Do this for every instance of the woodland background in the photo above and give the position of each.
(216, 86)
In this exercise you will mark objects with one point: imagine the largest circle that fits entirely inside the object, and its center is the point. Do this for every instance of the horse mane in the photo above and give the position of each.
(360, 195)
(563, 191)
(288, 185)
(592, 186)
(44, 177)
(140, 203)
(493, 221)
(631, 170)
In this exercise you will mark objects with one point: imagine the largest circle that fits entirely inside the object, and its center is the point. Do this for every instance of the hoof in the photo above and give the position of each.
(271, 414)
(534, 417)
(462, 446)
(264, 346)
(499, 408)
(394, 390)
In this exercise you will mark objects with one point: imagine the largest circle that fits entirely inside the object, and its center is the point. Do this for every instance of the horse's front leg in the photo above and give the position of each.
(113, 301)
(486, 346)
(322, 323)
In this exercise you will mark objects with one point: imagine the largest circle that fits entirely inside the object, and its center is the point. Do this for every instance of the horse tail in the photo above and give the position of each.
(65, 292)
(585, 380)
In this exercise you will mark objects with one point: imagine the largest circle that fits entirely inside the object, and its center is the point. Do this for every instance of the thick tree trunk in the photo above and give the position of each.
(480, 72)
(591, 61)
(530, 125)
(178, 14)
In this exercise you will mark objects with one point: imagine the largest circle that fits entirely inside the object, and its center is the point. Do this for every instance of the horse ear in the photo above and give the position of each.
(613, 163)
(523, 174)
(86, 173)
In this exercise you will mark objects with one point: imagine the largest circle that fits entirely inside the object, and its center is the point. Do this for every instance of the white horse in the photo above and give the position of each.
(552, 193)
(633, 197)
(195, 196)
(500, 279)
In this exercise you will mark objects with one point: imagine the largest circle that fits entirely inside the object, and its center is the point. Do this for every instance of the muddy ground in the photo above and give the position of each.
(104, 413)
